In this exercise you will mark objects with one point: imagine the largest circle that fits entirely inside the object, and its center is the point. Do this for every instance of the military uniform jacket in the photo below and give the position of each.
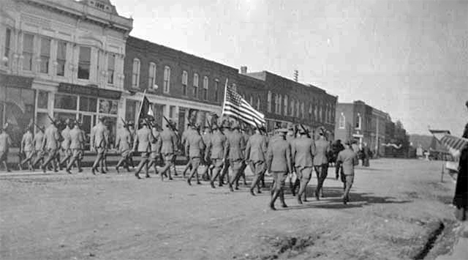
(5, 142)
(256, 148)
(143, 140)
(195, 146)
(98, 136)
(168, 141)
(218, 146)
(27, 142)
(236, 146)
(279, 156)
(156, 144)
(51, 138)
(322, 149)
(38, 140)
(302, 152)
(123, 140)
(349, 159)
(76, 138)
(66, 138)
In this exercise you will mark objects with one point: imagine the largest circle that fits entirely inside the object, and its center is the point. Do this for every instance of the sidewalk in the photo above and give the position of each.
(460, 250)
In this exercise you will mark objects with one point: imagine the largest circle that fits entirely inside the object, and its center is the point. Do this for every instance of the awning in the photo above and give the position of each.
(89, 91)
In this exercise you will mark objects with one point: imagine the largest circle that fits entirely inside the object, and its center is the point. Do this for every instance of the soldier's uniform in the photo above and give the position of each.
(98, 143)
(5, 143)
(76, 141)
(38, 141)
(124, 143)
(245, 137)
(142, 144)
(131, 128)
(183, 141)
(194, 148)
(279, 165)
(255, 153)
(236, 154)
(302, 152)
(227, 163)
(217, 149)
(66, 152)
(206, 161)
(27, 147)
(348, 158)
(321, 164)
(168, 149)
(51, 144)
(155, 150)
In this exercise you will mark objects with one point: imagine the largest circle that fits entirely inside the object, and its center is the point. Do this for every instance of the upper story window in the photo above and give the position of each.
(342, 121)
(358, 121)
(216, 91)
(184, 82)
(84, 63)
(110, 68)
(136, 73)
(297, 108)
(258, 103)
(28, 49)
(310, 111)
(61, 57)
(7, 51)
(205, 88)
(195, 85)
(279, 104)
(269, 102)
(302, 110)
(315, 110)
(251, 102)
(45, 55)
(292, 107)
(167, 79)
(285, 104)
(152, 75)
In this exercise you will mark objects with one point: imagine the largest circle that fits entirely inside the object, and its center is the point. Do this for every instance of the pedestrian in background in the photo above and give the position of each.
(460, 199)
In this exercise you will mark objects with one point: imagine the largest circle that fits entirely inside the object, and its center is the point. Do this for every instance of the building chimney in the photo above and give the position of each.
(243, 70)
(296, 75)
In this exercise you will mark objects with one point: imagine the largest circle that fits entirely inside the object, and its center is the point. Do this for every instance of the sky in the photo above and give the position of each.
(407, 58)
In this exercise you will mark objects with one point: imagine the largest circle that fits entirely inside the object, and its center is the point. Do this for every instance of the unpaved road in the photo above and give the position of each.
(396, 206)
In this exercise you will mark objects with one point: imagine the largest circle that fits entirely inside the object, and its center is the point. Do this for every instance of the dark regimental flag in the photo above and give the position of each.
(453, 143)
(235, 106)
(146, 110)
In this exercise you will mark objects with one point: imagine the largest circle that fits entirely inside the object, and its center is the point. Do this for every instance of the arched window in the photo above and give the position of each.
(184, 82)
(195, 85)
(167, 79)
(285, 104)
(205, 88)
(302, 110)
(152, 75)
(342, 121)
(291, 112)
(269, 102)
(279, 106)
(310, 110)
(297, 108)
(251, 102)
(258, 103)
(136, 73)
(358, 121)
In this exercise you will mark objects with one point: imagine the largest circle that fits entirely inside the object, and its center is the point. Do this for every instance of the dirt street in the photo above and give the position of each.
(399, 209)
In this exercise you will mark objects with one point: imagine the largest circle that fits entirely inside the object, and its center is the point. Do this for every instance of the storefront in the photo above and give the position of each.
(84, 103)
(16, 105)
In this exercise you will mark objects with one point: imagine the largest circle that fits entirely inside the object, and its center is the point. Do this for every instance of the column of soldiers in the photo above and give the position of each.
(223, 152)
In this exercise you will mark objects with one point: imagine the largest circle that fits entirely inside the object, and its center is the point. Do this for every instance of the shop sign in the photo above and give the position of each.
(88, 91)
(13, 81)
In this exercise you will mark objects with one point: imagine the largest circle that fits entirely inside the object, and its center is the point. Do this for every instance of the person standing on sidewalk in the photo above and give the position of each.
(321, 163)
(348, 159)
(5, 143)
(460, 200)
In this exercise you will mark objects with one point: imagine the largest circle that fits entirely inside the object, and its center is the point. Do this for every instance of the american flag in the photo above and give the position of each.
(237, 107)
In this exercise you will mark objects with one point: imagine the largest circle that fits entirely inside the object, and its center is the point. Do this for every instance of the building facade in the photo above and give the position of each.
(285, 101)
(365, 124)
(61, 58)
(174, 82)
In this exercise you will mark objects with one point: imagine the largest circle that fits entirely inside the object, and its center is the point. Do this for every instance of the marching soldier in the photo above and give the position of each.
(236, 154)
(292, 177)
(142, 144)
(168, 149)
(255, 153)
(279, 165)
(98, 144)
(226, 126)
(207, 135)
(124, 143)
(38, 140)
(51, 144)
(66, 151)
(76, 148)
(131, 129)
(348, 158)
(302, 152)
(5, 143)
(217, 149)
(106, 148)
(155, 150)
(194, 148)
(27, 147)
(184, 138)
(245, 135)
(321, 163)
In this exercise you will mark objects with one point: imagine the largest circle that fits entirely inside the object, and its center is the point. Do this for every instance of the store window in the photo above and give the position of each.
(7, 51)
(107, 106)
(88, 104)
(131, 110)
(45, 55)
(65, 102)
(61, 57)
(28, 48)
(42, 99)
(110, 68)
(84, 62)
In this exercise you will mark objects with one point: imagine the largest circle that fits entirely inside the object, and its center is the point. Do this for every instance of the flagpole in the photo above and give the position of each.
(137, 123)
(224, 101)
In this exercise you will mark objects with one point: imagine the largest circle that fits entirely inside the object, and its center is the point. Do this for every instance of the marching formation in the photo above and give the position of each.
(219, 153)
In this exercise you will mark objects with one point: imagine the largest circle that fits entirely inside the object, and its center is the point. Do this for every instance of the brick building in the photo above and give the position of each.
(174, 82)
(63, 58)
(363, 123)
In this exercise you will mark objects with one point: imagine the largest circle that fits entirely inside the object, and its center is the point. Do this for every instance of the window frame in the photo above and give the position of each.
(167, 79)
(184, 82)
(152, 68)
(136, 73)
(83, 63)
(205, 87)
(61, 63)
(27, 54)
(342, 121)
(196, 79)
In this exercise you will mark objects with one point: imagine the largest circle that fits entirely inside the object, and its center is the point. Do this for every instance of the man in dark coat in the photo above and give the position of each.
(336, 148)
(460, 199)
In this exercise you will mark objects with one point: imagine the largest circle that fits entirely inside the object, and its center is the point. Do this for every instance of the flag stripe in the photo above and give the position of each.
(235, 106)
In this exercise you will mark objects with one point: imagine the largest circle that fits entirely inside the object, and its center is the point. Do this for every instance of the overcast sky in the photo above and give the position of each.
(408, 58)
